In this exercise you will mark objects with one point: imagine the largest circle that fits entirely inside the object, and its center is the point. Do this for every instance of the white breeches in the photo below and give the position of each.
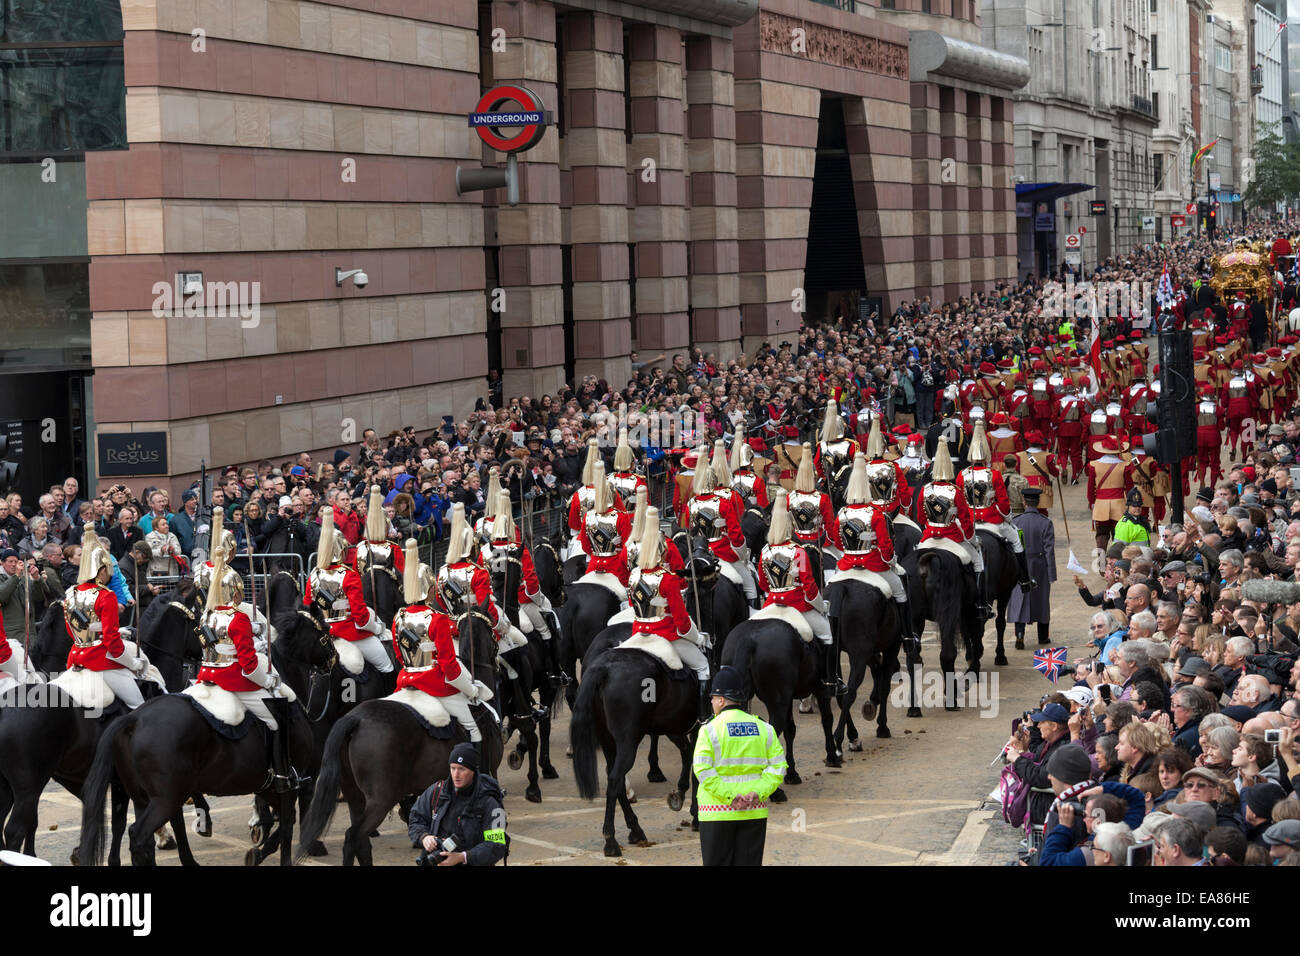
(255, 701)
(821, 627)
(372, 649)
(895, 585)
(458, 706)
(977, 558)
(742, 568)
(14, 666)
(570, 547)
(513, 638)
(1010, 535)
(537, 619)
(692, 657)
(122, 683)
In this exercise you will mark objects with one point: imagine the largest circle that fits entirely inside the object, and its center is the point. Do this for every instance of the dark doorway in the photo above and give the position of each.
(834, 270)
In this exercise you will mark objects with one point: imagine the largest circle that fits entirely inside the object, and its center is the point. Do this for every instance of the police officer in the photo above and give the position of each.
(460, 820)
(1133, 527)
(739, 762)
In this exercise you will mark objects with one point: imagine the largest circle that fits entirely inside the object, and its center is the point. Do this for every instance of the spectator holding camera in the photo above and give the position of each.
(460, 820)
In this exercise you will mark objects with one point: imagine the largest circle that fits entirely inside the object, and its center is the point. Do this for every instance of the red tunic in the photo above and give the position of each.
(624, 525)
(997, 512)
(960, 530)
(725, 548)
(615, 564)
(433, 681)
(7, 652)
(878, 559)
(231, 676)
(801, 597)
(629, 501)
(399, 557)
(676, 622)
(96, 658)
(829, 531)
(760, 487)
(348, 629)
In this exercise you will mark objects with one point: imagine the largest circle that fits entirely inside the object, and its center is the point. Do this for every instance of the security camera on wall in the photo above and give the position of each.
(361, 280)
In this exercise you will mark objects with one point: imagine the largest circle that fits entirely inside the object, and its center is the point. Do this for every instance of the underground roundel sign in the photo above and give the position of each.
(528, 119)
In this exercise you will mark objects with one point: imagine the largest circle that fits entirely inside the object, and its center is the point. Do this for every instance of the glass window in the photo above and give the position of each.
(60, 21)
(69, 99)
(44, 315)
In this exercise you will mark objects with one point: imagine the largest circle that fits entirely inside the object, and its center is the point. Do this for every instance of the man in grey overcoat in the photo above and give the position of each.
(1040, 554)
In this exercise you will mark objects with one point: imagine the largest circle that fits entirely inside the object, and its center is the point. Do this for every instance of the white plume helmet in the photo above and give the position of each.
(942, 469)
(704, 480)
(492, 494)
(325, 549)
(623, 458)
(652, 542)
(215, 533)
(217, 587)
(89, 542)
(638, 516)
(503, 525)
(805, 478)
(457, 544)
(742, 456)
(376, 520)
(593, 457)
(978, 452)
(875, 440)
(411, 583)
(778, 532)
(600, 497)
(721, 471)
(858, 491)
(832, 426)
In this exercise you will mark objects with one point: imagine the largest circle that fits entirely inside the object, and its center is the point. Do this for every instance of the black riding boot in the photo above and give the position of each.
(831, 668)
(1027, 583)
(982, 596)
(283, 777)
(1020, 637)
(706, 701)
(554, 671)
(910, 638)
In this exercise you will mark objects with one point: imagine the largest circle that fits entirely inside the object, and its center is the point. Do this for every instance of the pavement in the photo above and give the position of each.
(915, 799)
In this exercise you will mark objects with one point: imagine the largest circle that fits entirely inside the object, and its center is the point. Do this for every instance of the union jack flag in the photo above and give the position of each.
(1165, 291)
(1049, 662)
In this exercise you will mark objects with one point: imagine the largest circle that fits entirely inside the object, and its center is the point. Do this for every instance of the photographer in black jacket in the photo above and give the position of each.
(460, 819)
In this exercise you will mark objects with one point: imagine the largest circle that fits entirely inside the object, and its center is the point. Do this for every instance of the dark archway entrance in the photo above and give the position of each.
(834, 277)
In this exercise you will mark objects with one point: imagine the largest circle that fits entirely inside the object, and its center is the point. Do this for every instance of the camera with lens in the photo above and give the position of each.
(445, 846)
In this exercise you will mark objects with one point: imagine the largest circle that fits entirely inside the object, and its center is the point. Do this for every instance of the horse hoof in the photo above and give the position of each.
(250, 858)
(317, 849)
(868, 710)
(805, 706)
(374, 834)
(914, 711)
(791, 777)
(75, 856)
(637, 837)
(568, 752)
(630, 794)
(550, 773)
(1001, 659)
(515, 760)
(1020, 645)
(883, 732)
(255, 835)
(533, 795)
(855, 745)
(833, 760)
(167, 843)
(675, 801)
(778, 796)
(656, 776)
(612, 848)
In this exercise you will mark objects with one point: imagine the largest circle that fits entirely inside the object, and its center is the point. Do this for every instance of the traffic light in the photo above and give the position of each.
(1174, 412)
(1212, 219)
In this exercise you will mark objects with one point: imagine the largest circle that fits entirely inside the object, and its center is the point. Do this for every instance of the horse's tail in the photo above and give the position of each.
(95, 789)
(325, 799)
(740, 650)
(945, 598)
(582, 732)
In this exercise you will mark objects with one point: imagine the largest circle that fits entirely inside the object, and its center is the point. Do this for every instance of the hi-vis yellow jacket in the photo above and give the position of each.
(737, 753)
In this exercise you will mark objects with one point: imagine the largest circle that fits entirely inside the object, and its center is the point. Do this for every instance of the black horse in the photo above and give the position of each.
(716, 603)
(754, 524)
(943, 591)
(866, 626)
(585, 613)
(380, 753)
(166, 749)
(614, 709)
(550, 575)
(780, 668)
(1000, 578)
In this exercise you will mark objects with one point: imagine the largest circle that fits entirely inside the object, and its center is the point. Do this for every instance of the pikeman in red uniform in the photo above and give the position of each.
(1068, 423)
(231, 662)
(336, 589)
(90, 617)
(1239, 397)
(606, 529)
(659, 610)
(423, 640)
(1209, 437)
(751, 487)
(1042, 399)
(1238, 319)
(1138, 396)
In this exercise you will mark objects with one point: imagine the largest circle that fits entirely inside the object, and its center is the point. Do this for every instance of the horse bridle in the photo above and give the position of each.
(316, 671)
(473, 612)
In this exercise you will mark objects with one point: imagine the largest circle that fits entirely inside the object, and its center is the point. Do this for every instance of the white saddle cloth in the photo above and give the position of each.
(945, 544)
(350, 656)
(625, 616)
(606, 581)
(731, 574)
(219, 702)
(429, 707)
(906, 521)
(787, 615)
(869, 578)
(655, 646)
(87, 688)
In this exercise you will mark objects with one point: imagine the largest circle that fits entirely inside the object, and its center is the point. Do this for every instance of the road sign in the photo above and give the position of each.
(529, 121)
(1149, 223)
(1178, 220)
(1073, 257)
(1191, 209)
(1082, 230)
(1072, 242)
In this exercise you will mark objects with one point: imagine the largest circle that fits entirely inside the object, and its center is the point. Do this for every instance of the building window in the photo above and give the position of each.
(1157, 170)
(887, 4)
(1223, 57)
(1155, 53)
(61, 73)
